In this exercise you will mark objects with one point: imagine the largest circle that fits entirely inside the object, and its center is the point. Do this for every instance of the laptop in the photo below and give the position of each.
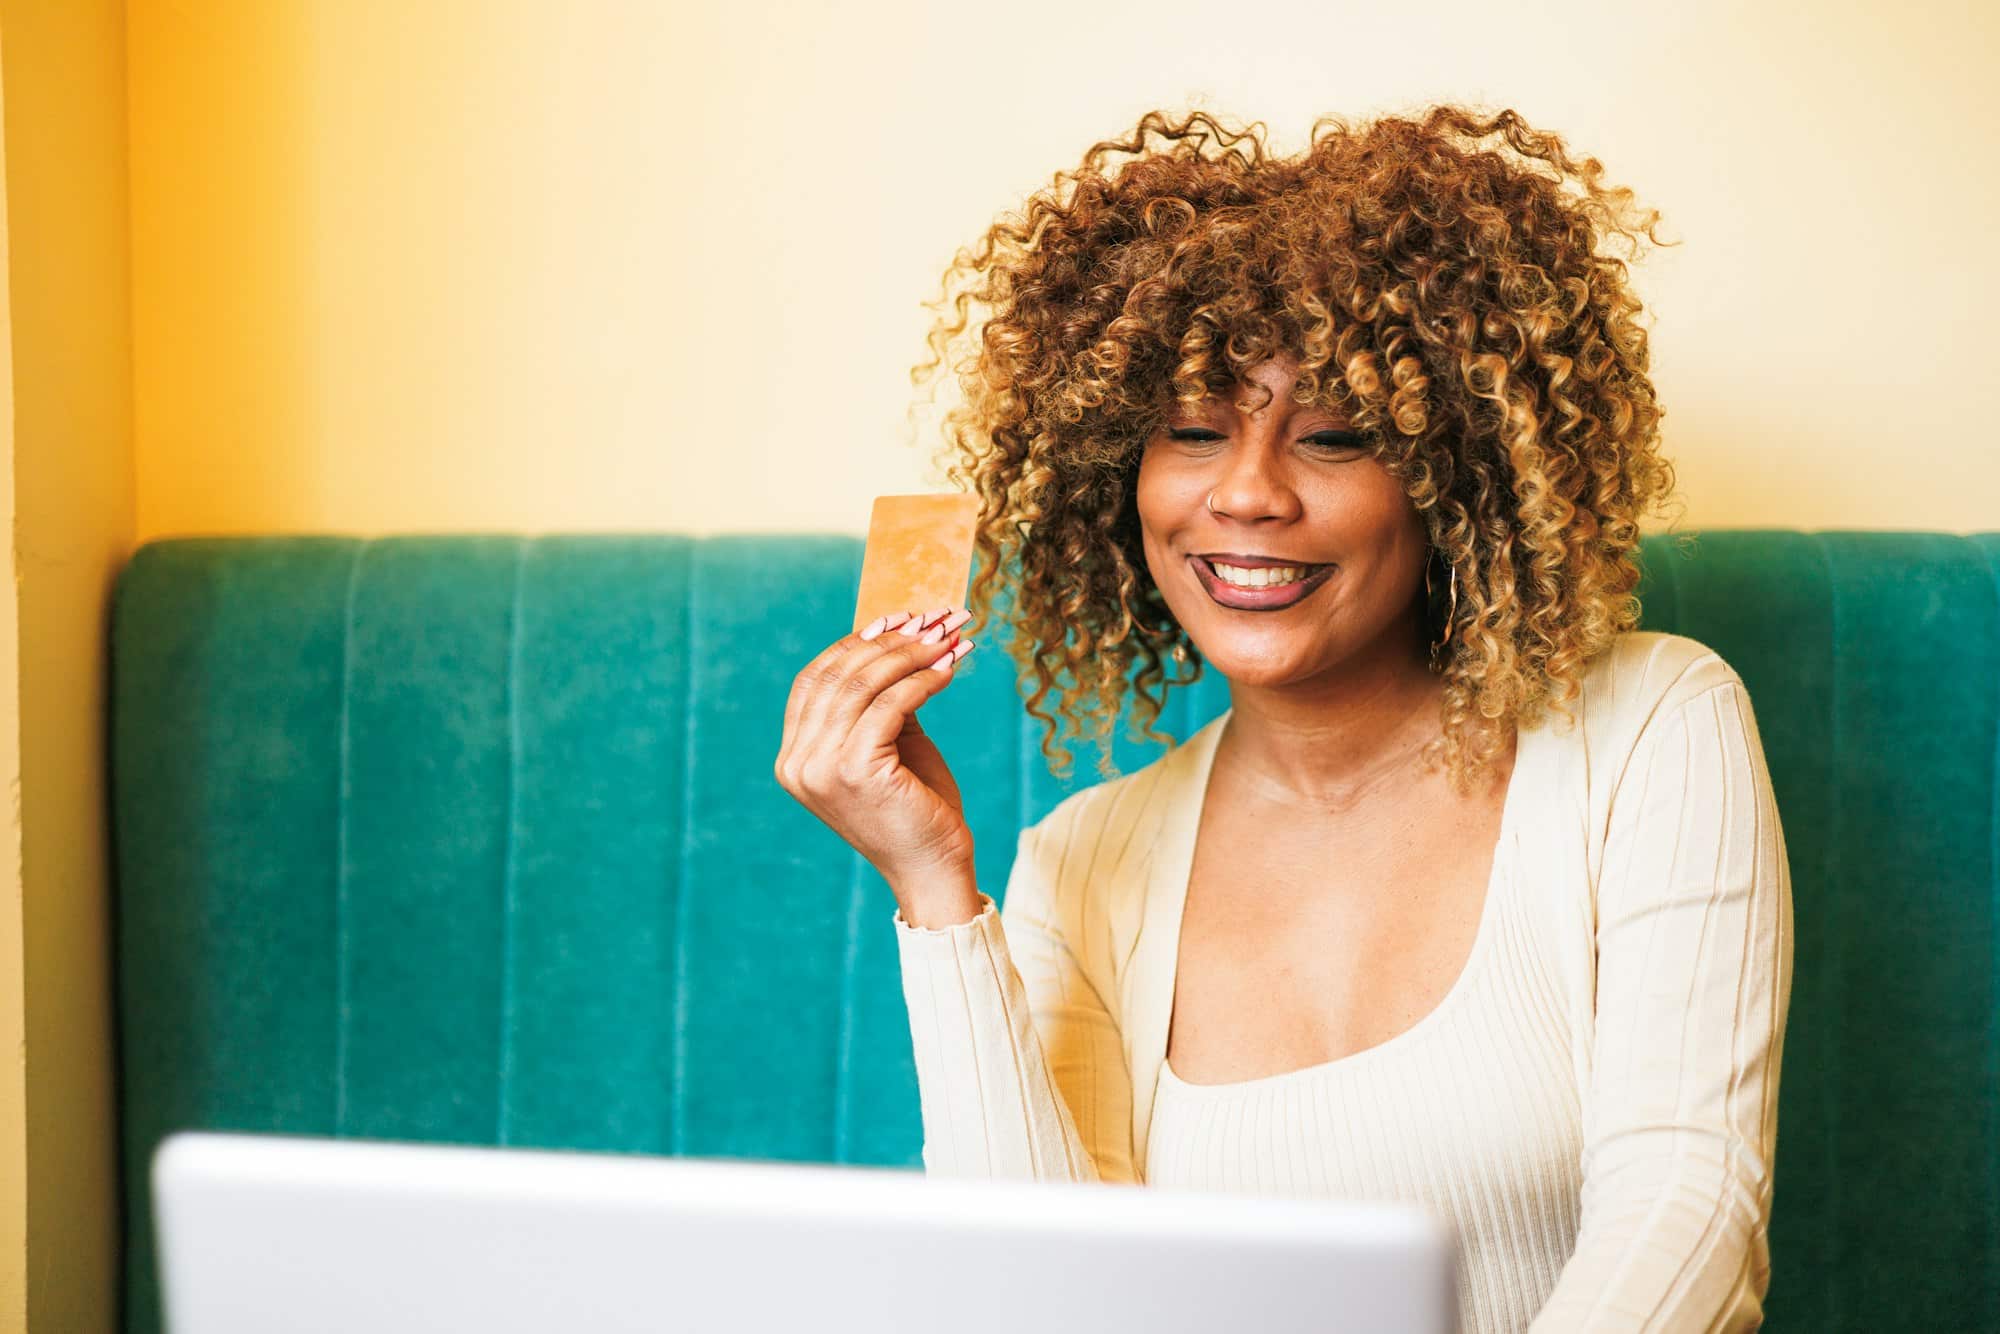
(262, 1232)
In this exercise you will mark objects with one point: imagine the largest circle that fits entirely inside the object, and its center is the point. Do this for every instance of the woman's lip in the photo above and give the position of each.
(1256, 599)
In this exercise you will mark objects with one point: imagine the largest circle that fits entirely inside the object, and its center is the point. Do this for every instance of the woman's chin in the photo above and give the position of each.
(1265, 670)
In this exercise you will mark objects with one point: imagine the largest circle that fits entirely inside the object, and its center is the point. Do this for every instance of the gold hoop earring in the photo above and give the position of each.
(1450, 615)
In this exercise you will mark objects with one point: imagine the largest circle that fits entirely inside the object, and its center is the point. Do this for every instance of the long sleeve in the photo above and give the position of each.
(1694, 969)
(1020, 1068)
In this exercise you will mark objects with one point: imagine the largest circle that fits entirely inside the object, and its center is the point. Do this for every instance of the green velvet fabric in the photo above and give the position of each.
(474, 839)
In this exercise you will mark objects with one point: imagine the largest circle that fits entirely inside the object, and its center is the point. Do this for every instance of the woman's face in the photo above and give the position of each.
(1291, 487)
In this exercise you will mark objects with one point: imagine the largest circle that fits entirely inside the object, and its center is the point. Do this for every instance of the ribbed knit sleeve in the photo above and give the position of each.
(1019, 1064)
(1694, 965)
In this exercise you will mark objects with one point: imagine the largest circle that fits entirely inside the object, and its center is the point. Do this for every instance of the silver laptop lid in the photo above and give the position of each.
(309, 1235)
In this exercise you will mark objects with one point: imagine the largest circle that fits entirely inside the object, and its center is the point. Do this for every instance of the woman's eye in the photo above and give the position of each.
(1322, 439)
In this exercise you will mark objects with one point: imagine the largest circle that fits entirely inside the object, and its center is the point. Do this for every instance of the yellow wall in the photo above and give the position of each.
(13, 995)
(575, 266)
(72, 527)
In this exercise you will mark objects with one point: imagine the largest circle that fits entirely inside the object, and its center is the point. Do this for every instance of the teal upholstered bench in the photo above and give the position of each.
(474, 839)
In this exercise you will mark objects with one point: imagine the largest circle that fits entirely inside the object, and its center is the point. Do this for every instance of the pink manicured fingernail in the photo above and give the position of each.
(933, 635)
(914, 626)
(959, 650)
(957, 618)
(881, 623)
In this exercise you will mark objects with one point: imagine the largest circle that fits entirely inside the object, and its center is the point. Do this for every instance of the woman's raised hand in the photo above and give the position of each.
(854, 754)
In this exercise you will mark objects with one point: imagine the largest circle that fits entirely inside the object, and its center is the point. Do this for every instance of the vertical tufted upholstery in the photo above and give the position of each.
(474, 839)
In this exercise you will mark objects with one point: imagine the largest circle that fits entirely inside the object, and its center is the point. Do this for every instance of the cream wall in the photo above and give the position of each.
(657, 266)
(67, 335)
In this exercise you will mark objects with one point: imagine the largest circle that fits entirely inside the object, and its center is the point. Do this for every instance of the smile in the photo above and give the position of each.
(1265, 597)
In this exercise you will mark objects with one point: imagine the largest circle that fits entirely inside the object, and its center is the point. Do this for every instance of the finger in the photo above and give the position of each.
(885, 717)
(872, 671)
(850, 673)
(809, 676)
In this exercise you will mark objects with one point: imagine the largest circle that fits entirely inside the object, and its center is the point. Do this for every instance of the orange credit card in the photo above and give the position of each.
(918, 556)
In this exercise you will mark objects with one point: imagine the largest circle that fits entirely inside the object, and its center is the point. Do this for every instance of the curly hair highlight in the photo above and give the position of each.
(1445, 296)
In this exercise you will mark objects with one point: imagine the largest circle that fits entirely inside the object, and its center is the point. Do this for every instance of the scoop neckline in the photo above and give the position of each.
(1496, 881)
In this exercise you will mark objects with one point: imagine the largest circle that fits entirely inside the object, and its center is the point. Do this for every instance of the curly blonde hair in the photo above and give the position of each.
(1446, 298)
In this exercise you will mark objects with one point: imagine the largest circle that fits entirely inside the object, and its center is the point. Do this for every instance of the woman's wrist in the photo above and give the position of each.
(939, 899)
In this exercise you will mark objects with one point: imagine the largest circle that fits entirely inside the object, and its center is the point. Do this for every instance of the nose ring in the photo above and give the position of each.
(1211, 502)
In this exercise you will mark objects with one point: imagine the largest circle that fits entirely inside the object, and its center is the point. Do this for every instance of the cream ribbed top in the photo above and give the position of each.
(1592, 1109)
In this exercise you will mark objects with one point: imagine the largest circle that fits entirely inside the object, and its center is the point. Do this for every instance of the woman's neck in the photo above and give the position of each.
(1330, 746)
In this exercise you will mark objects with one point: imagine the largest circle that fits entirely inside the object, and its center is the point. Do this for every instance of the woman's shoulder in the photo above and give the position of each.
(1119, 806)
(1087, 863)
(1649, 673)
(1633, 689)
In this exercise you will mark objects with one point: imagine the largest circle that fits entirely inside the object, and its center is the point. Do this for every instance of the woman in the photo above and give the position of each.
(1476, 896)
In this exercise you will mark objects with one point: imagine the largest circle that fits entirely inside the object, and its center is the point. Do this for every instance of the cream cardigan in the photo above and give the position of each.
(1648, 981)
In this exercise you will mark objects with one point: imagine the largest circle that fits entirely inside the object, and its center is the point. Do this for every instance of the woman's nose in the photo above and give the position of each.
(1252, 485)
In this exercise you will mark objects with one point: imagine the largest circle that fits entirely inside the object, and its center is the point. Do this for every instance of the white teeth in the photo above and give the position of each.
(1259, 577)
